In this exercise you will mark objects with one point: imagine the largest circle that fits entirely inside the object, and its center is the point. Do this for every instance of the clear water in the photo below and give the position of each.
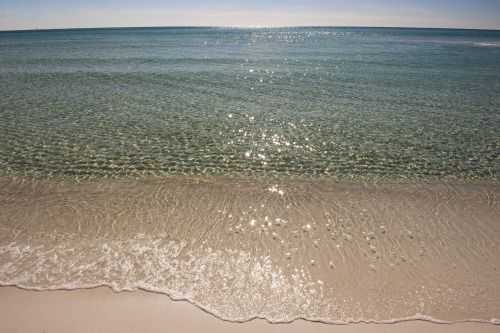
(330, 174)
(335, 103)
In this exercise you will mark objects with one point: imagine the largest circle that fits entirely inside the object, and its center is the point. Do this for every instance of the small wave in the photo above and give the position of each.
(487, 44)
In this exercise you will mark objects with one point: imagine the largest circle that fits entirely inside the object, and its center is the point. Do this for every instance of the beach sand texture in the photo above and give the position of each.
(101, 310)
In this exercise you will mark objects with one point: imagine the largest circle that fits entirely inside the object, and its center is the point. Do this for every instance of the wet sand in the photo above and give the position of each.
(102, 310)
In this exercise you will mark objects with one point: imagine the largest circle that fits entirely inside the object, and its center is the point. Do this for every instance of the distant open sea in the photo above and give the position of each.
(326, 173)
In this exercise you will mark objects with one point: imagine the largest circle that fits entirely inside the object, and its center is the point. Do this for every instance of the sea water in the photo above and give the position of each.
(331, 174)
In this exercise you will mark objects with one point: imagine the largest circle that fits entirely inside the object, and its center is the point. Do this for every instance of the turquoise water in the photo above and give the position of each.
(336, 103)
(329, 174)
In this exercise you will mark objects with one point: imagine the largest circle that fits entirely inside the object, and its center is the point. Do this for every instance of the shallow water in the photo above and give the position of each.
(335, 103)
(280, 250)
(329, 174)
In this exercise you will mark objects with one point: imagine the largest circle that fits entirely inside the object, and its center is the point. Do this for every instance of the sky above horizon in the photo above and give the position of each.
(55, 14)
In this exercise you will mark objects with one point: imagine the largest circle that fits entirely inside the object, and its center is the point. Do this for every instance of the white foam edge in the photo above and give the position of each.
(177, 297)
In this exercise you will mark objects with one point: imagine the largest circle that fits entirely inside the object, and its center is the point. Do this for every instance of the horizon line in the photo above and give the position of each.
(241, 27)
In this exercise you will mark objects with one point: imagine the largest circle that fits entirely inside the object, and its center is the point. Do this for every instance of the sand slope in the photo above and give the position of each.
(102, 310)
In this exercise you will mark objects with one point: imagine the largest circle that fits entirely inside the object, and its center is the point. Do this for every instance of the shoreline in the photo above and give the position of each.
(102, 310)
(402, 245)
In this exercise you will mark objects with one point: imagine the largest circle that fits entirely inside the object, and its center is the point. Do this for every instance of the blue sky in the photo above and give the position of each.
(31, 14)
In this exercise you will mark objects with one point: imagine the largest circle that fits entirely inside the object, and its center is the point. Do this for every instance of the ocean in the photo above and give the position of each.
(334, 174)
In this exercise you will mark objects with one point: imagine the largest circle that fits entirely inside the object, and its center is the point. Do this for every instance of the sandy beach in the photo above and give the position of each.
(102, 310)
(287, 178)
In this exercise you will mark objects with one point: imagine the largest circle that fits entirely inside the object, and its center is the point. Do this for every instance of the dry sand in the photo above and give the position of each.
(102, 310)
